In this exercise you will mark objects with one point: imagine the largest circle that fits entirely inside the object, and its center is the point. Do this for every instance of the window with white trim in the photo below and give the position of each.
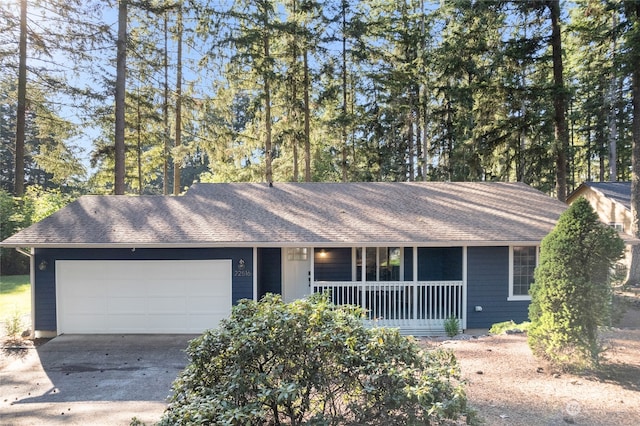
(297, 253)
(522, 263)
(617, 226)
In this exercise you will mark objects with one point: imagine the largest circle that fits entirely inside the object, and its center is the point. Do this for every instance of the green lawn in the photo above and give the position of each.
(15, 295)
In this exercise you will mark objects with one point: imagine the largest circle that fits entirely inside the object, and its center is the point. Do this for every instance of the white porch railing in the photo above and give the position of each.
(418, 308)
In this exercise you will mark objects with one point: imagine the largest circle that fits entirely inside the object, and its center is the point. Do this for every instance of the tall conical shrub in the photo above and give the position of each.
(571, 294)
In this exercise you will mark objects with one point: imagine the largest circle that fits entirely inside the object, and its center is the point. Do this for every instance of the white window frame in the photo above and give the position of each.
(518, 297)
(297, 253)
(618, 226)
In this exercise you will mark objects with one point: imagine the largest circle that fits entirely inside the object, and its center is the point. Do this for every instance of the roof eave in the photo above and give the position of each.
(262, 244)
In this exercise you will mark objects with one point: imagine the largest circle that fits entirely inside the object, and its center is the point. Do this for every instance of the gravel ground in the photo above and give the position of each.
(506, 385)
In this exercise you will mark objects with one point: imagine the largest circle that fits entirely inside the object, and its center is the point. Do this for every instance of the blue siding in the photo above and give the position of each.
(332, 264)
(488, 286)
(439, 263)
(269, 271)
(45, 290)
(45, 294)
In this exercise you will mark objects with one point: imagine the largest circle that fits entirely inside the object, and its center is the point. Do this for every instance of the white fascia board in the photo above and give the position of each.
(241, 244)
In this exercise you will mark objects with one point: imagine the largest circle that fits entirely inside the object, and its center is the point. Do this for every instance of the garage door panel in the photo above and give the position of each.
(89, 305)
(206, 319)
(169, 288)
(204, 304)
(129, 287)
(187, 296)
(86, 287)
(167, 305)
(77, 275)
(91, 321)
(128, 321)
(202, 286)
(121, 305)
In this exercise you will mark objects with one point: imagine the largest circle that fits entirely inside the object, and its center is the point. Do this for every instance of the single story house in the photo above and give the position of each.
(612, 202)
(412, 254)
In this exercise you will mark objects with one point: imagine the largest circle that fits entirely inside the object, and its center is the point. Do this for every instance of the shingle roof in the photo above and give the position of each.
(235, 214)
(617, 191)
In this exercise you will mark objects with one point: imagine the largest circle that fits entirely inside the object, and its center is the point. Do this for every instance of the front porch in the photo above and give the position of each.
(419, 308)
(415, 289)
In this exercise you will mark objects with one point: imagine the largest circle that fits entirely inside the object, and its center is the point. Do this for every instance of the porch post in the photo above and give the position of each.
(415, 283)
(312, 267)
(32, 280)
(463, 323)
(255, 274)
(354, 264)
(363, 283)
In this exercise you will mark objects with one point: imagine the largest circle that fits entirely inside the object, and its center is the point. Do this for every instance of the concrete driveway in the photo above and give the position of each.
(97, 380)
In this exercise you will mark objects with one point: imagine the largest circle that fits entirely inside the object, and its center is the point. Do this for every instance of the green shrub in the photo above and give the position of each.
(452, 326)
(315, 363)
(503, 327)
(14, 326)
(571, 294)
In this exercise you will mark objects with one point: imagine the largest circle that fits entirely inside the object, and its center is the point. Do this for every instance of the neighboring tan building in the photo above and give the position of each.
(612, 202)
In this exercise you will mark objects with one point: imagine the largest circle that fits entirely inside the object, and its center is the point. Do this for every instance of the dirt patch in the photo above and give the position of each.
(627, 304)
(506, 385)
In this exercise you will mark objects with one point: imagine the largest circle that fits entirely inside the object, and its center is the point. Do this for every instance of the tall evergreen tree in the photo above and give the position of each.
(35, 36)
(559, 102)
(632, 40)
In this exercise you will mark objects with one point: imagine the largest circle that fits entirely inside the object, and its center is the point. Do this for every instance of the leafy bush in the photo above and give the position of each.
(571, 294)
(18, 213)
(311, 362)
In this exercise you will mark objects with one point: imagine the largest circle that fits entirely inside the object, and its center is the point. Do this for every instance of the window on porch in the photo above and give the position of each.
(382, 263)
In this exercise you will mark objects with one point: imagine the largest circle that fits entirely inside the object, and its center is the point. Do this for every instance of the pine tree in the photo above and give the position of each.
(632, 12)
(44, 45)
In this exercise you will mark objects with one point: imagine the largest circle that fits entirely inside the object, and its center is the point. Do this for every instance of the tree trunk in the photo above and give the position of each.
(121, 69)
(22, 103)
(634, 15)
(139, 143)
(522, 148)
(422, 101)
(294, 133)
(410, 138)
(307, 115)
(559, 103)
(613, 130)
(344, 92)
(267, 116)
(293, 107)
(176, 161)
(165, 108)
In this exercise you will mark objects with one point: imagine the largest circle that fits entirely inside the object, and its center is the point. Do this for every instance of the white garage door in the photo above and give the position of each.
(142, 296)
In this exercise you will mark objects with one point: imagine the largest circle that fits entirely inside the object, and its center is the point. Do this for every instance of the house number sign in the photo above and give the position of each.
(241, 269)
